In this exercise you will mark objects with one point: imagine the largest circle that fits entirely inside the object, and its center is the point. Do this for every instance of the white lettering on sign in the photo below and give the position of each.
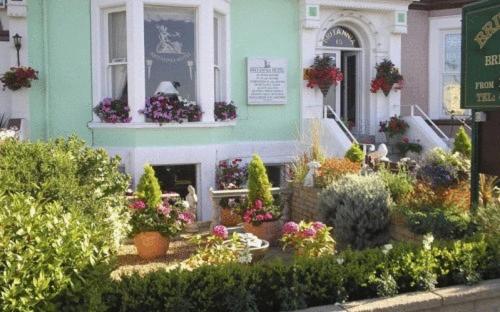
(490, 60)
(267, 81)
(485, 85)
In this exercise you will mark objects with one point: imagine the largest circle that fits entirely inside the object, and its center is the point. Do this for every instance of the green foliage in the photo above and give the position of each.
(306, 282)
(444, 223)
(259, 186)
(488, 219)
(358, 209)
(462, 143)
(308, 239)
(355, 154)
(148, 188)
(399, 184)
(63, 215)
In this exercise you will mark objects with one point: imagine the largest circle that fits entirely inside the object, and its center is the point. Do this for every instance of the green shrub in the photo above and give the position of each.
(148, 188)
(444, 223)
(462, 143)
(358, 209)
(64, 213)
(488, 219)
(259, 186)
(355, 154)
(306, 282)
(399, 184)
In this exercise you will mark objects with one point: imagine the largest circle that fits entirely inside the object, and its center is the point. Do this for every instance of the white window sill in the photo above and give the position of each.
(154, 125)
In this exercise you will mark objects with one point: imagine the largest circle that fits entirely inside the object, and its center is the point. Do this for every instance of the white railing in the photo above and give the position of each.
(427, 119)
(460, 120)
(366, 147)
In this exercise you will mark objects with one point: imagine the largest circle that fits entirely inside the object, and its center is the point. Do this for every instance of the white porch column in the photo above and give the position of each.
(205, 60)
(17, 12)
(135, 58)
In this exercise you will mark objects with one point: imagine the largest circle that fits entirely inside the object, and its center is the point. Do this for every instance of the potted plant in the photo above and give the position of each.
(262, 216)
(224, 111)
(394, 129)
(18, 77)
(309, 239)
(387, 77)
(231, 175)
(323, 74)
(405, 146)
(153, 221)
(113, 111)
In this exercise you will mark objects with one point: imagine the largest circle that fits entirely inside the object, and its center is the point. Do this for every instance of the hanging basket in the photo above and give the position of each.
(325, 88)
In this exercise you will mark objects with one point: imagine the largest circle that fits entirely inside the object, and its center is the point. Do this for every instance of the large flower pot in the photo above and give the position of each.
(269, 231)
(229, 218)
(151, 245)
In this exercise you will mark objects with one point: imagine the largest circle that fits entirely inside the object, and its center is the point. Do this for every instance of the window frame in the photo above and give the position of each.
(108, 65)
(136, 67)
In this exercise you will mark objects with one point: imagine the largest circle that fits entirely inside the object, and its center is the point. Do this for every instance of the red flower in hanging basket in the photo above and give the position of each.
(18, 77)
(323, 74)
(388, 76)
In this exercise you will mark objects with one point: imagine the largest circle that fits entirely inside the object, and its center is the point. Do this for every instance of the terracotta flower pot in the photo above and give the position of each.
(229, 218)
(151, 245)
(269, 231)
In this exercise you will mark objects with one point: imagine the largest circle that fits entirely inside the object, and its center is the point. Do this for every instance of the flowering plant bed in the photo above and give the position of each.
(258, 213)
(163, 108)
(309, 239)
(394, 126)
(224, 111)
(323, 74)
(406, 146)
(387, 77)
(113, 111)
(18, 77)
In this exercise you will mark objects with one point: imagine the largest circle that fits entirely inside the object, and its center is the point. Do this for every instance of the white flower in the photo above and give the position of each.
(427, 242)
(245, 256)
(387, 248)
(340, 261)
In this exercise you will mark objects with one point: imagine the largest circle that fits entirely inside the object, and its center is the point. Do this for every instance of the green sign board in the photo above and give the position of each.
(481, 55)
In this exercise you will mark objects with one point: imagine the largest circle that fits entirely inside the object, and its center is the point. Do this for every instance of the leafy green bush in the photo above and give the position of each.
(63, 214)
(399, 184)
(488, 219)
(148, 188)
(462, 143)
(350, 275)
(355, 154)
(444, 223)
(259, 186)
(358, 209)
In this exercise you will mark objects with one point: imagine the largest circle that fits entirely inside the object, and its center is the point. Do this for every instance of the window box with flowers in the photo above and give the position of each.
(224, 111)
(113, 111)
(163, 108)
(18, 77)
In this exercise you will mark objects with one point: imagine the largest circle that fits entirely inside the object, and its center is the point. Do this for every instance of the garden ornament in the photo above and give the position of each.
(192, 200)
(309, 179)
(380, 154)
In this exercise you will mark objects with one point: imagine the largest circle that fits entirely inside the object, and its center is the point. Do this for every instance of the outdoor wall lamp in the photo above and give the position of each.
(17, 44)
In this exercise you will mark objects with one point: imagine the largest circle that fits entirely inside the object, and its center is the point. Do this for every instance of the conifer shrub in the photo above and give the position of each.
(355, 154)
(148, 188)
(259, 186)
(462, 143)
(358, 209)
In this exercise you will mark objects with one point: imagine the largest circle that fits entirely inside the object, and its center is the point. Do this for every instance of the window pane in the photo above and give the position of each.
(451, 94)
(119, 82)
(117, 34)
(169, 46)
(452, 50)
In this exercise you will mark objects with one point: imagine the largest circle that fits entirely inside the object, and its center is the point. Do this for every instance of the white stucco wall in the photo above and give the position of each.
(5, 96)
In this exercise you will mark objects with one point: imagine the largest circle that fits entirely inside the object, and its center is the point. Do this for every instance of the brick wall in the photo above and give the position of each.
(304, 204)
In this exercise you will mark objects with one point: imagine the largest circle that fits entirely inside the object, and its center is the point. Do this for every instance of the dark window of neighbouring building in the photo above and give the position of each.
(176, 178)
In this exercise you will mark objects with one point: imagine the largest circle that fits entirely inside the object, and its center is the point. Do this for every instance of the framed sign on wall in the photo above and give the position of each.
(267, 81)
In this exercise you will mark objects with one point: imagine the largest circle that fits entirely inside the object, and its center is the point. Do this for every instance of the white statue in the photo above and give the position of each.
(309, 179)
(380, 154)
(192, 200)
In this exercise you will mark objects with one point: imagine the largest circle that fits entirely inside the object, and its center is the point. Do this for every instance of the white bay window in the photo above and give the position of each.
(140, 44)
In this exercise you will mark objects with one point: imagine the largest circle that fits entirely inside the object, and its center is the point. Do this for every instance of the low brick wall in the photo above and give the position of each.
(483, 297)
(304, 204)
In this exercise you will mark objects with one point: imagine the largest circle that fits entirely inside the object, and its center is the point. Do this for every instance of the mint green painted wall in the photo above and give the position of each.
(259, 28)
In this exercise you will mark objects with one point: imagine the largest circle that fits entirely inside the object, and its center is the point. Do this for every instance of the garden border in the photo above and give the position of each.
(484, 296)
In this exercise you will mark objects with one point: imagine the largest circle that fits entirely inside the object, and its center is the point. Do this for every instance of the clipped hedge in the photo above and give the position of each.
(350, 275)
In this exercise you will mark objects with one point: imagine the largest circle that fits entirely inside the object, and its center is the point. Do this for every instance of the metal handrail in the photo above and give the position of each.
(466, 126)
(427, 119)
(340, 123)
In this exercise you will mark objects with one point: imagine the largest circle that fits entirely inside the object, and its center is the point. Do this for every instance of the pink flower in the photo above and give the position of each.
(268, 216)
(186, 217)
(258, 204)
(311, 232)
(164, 209)
(247, 218)
(318, 225)
(138, 205)
(220, 231)
(260, 217)
(290, 228)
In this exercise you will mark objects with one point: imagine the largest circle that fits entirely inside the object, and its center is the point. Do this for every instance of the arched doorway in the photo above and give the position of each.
(344, 46)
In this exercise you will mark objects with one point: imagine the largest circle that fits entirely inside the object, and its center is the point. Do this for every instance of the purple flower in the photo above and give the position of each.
(290, 228)
(220, 231)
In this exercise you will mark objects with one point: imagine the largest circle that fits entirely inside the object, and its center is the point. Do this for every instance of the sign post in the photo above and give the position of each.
(480, 78)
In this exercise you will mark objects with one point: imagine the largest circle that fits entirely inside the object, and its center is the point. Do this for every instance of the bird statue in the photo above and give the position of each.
(380, 154)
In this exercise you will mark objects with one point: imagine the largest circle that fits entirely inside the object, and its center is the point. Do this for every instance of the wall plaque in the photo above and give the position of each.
(266, 81)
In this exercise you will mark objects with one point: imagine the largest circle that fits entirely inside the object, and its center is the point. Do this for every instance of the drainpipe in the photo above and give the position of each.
(45, 20)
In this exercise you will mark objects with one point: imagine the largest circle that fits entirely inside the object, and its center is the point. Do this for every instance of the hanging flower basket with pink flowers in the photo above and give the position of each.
(18, 77)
